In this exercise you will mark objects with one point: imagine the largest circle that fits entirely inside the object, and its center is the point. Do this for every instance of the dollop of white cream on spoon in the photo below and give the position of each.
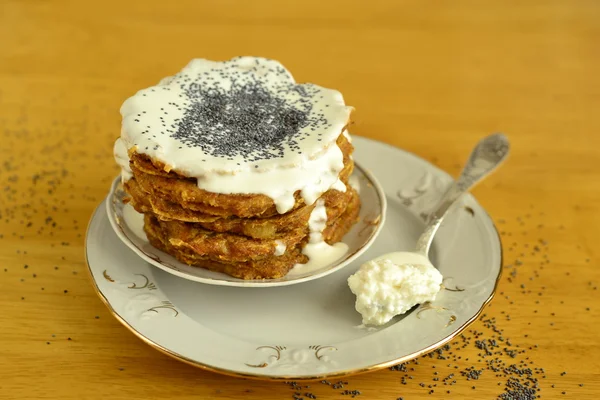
(393, 284)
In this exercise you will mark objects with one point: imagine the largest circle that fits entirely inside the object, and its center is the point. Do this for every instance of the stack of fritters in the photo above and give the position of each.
(240, 235)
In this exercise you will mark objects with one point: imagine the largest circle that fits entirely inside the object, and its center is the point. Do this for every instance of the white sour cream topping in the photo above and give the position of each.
(122, 158)
(311, 165)
(280, 248)
(320, 254)
(392, 284)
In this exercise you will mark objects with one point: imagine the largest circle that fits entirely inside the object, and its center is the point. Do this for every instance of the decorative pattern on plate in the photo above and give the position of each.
(281, 355)
(160, 260)
(165, 305)
(428, 306)
(146, 285)
(445, 285)
(424, 196)
(409, 196)
(369, 221)
(319, 348)
(469, 210)
(143, 298)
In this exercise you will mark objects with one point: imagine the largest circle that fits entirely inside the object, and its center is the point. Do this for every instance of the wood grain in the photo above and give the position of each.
(430, 77)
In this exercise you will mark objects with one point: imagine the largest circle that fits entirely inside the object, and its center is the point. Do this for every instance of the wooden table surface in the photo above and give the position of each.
(429, 77)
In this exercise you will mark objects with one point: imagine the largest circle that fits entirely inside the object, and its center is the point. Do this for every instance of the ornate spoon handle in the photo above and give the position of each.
(485, 158)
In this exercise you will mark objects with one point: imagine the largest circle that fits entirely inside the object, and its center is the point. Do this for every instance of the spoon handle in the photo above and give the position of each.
(485, 157)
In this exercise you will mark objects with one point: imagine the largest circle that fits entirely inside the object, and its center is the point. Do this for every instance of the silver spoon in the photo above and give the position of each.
(487, 155)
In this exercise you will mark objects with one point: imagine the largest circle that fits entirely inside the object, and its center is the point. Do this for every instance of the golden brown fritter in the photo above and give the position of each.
(268, 268)
(160, 182)
(192, 249)
(222, 246)
(259, 228)
(232, 247)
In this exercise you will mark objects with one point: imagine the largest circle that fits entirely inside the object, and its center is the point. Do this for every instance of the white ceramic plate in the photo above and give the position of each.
(128, 225)
(309, 330)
